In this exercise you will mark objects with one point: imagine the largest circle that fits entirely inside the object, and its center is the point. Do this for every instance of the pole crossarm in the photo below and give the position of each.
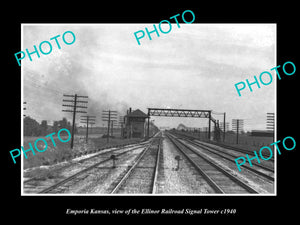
(78, 106)
(178, 112)
(77, 111)
(66, 100)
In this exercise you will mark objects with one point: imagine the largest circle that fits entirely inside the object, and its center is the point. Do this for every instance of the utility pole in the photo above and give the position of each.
(224, 127)
(237, 132)
(270, 121)
(88, 120)
(24, 105)
(121, 123)
(237, 124)
(74, 110)
(209, 119)
(109, 115)
(112, 128)
(148, 124)
(108, 126)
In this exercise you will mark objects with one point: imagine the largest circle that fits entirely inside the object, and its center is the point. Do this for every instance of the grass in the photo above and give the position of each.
(63, 151)
(51, 155)
(102, 142)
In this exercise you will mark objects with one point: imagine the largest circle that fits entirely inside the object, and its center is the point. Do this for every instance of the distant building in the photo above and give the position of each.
(134, 123)
(181, 127)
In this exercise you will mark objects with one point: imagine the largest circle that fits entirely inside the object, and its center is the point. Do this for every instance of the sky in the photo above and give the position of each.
(192, 67)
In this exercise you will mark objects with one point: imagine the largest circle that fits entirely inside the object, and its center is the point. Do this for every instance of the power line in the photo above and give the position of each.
(43, 87)
(33, 75)
(46, 85)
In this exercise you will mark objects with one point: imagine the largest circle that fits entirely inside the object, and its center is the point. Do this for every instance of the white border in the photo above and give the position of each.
(153, 195)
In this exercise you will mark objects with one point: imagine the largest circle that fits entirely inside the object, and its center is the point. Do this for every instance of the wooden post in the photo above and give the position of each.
(237, 131)
(108, 126)
(209, 118)
(73, 125)
(148, 128)
(224, 127)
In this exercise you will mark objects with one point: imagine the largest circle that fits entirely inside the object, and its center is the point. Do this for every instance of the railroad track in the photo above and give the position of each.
(236, 149)
(101, 154)
(64, 184)
(258, 169)
(142, 176)
(219, 179)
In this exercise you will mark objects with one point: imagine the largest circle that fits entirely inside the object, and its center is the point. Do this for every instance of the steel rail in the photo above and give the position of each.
(231, 160)
(223, 146)
(134, 166)
(216, 187)
(156, 168)
(233, 178)
(60, 183)
(124, 178)
(94, 156)
(235, 149)
(226, 153)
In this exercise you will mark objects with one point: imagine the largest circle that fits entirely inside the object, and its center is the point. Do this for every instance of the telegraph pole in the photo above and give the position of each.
(112, 128)
(24, 103)
(224, 127)
(148, 124)
(209, 118)
(121, 122)
(108, 126)
(270, 121)
(236, 124)
(88, 120)
(73, 124)
(74, 110)
(109, 115)
(237, 132)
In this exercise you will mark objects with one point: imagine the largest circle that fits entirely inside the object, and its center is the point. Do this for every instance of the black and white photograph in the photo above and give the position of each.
(162, 117)
(140, 112)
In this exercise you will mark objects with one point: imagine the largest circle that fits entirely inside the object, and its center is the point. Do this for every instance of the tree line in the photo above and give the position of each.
(34, 128)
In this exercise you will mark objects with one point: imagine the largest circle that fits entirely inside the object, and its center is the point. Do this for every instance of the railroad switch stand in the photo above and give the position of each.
(178, 158)
(114, 158)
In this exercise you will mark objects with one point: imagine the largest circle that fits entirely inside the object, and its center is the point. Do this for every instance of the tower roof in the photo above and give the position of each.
(137, 113)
